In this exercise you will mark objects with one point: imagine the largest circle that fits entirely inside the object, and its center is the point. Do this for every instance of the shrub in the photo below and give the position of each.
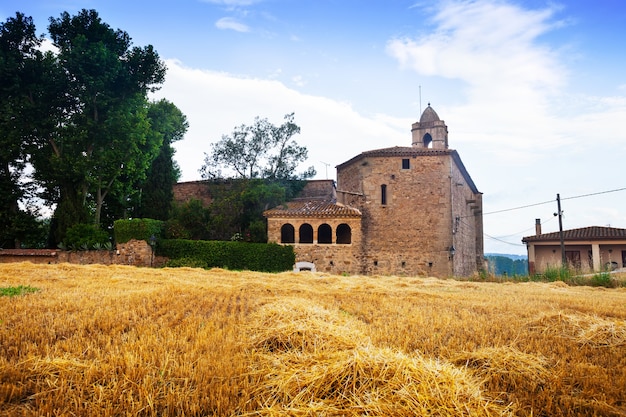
(85, 237)
(231, 255)
(557, 274)
(186, 262)
(140, 229)
(602, 279)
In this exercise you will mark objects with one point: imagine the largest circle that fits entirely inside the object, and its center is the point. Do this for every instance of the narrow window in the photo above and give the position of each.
(287, 234)
(306, 233)
(406, 163)
(383, 194)
(324, 234)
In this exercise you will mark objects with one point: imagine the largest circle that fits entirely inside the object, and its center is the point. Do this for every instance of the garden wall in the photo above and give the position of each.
(133, 252)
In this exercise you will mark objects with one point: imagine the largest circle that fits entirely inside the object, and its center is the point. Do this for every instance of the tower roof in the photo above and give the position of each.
(429, 115)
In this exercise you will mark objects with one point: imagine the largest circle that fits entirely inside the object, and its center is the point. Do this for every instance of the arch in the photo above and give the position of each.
(306, 233)
(287, 233)
(324, 234)
(427, 140)
(344, 234)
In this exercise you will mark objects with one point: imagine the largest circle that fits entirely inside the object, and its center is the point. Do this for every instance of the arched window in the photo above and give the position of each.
(287, 234)
(324, 234)
(306, 233)
(344, 234)
(427, 140)
(383, 194)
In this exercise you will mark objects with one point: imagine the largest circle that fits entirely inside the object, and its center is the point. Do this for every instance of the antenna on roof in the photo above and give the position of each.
(327, 164)
(420, 102)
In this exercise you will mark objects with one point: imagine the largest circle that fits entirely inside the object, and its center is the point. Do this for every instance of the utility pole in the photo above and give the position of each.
(560, 214)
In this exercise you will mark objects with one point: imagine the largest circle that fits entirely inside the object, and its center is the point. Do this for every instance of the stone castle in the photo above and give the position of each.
(394, 211)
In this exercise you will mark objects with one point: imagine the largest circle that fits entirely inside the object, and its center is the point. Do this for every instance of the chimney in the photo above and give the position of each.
(537, 226)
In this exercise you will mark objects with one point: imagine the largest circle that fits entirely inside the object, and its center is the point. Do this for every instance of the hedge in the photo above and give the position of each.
(140, 229)
(265, 257)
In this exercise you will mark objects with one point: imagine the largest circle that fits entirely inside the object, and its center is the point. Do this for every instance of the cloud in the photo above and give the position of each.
(523, 136)
(216, 102)
(509, 77)
(231, 24)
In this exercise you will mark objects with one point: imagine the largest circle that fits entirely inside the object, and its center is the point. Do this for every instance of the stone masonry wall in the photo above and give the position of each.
(466, 225)
(134, 252)
(332, 258)
(411, 233)
(198, 190)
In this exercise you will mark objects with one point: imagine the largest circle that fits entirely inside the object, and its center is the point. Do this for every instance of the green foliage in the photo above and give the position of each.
(230, 254)
(504, 265)
(190, 220)
(559, 273)
(171, 124)
(16, 291)
(85, 237)
(237, 207)
(261, 150)
(139, 229)
(602, 279)
(187, 262)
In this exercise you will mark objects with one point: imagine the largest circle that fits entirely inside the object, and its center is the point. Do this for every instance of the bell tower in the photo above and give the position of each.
(430, 131)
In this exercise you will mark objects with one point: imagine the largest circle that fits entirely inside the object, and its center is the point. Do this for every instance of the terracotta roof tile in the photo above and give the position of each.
(312, 208)
(584, 233)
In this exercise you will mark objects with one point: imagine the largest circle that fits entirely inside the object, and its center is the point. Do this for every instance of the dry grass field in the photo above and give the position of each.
(123, 341)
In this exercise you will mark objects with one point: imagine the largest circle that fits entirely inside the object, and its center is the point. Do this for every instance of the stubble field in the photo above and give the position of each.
(124, 341)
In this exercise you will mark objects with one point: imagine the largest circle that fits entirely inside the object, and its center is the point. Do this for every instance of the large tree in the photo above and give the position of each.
(25, 112)
(261, 150)
(103, 140)
(156, 197)
(260, 161)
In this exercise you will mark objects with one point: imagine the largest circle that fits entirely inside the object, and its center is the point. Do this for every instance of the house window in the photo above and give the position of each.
(287, 234)
(306, 233)
(406, 163)
(344, 234)
(383, 194)
(324, 234)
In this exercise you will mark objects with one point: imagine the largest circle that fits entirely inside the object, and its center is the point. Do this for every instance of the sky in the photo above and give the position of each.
(533, 92)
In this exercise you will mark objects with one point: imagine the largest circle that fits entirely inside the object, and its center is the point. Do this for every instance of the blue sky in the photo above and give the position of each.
(533, 92)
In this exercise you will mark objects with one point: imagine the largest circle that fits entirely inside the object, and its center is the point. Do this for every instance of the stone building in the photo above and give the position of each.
(410, 210)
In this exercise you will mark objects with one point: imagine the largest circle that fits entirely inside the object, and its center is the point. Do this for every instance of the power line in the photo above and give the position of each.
(552, 201)
(503, 241)
(592, 194)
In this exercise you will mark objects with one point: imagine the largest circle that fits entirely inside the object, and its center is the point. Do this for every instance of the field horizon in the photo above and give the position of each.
(95, 340)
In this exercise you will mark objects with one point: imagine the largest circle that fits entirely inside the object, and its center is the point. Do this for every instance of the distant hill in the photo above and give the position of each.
(506, 255)
(506, 264)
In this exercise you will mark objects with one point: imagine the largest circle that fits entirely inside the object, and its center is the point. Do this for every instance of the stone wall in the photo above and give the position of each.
(332, 258)
(197, 190)
(134, 252)
(409, 232)
(417, 205)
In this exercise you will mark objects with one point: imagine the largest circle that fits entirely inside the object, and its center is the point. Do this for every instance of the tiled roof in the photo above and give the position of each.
(312, 208)
(584, 233)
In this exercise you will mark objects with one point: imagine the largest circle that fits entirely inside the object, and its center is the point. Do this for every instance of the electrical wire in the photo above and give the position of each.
(552, 201)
